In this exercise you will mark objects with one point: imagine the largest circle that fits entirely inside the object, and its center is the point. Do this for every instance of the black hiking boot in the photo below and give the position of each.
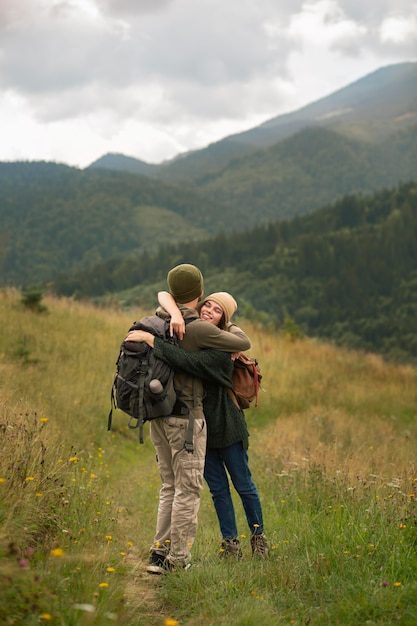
(157, 563)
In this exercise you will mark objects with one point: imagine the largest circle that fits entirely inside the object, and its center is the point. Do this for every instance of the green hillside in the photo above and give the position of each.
(309, 170)
(347, 272)
(56, 218)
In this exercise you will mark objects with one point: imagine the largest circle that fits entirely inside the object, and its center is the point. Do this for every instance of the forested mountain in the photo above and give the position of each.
(308, 170)
(370, 109)
(347, 272)
(56, 218)
(251, 217)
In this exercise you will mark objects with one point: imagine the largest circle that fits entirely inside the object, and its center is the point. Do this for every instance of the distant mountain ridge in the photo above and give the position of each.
(122, 163)
(57, 219)
(370, 109)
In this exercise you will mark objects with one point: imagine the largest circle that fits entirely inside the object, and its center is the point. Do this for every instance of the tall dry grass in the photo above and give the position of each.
(332, 450)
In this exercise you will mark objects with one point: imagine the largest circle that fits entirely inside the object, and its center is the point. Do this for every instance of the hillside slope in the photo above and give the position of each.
(59, 219)
(332, 452)
(313, 168)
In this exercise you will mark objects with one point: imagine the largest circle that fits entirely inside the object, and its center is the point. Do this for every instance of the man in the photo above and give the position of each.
(182, 470)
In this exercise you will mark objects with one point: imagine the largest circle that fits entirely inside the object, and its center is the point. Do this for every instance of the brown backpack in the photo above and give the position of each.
(246, 381)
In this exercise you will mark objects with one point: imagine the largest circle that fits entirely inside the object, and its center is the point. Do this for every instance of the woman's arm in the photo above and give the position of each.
(141, 335)
(213, 365)
(177, 324)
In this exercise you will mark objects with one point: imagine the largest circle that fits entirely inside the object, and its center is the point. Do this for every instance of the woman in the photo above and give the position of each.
(227, 433)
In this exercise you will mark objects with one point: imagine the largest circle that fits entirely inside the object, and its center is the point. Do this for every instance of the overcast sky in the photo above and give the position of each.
(154, 78)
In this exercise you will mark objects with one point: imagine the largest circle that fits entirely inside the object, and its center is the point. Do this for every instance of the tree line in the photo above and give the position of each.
(347, 272)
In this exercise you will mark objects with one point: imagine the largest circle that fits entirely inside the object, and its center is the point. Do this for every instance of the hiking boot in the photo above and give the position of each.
(230, 548)
(259, 545)
(176, 566)
(157, 563)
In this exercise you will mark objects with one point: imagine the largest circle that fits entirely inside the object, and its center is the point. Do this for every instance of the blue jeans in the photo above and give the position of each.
(234, 459)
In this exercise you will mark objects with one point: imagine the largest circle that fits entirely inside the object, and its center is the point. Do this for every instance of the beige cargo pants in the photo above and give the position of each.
(182, 481)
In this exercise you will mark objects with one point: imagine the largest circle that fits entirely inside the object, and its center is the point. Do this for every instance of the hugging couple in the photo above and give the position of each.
(203, 364)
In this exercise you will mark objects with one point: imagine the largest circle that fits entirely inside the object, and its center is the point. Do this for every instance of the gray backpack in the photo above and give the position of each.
(143, 386)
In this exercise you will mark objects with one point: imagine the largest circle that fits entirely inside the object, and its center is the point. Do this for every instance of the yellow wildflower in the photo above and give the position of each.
(58, 552)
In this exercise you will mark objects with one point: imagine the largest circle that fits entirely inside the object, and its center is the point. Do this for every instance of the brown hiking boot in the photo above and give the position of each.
(259, 545)
(230, 548)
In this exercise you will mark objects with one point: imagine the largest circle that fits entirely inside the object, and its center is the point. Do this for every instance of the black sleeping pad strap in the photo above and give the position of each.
(189, 435)
(113, 403)
(141, 387)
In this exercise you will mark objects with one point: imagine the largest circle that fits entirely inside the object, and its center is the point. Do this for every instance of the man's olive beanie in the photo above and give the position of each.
(185, 283)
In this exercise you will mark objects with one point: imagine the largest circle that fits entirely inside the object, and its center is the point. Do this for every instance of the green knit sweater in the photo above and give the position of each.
(226, 423)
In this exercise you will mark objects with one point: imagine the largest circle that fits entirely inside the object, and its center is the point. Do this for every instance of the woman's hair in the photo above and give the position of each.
(222, 323)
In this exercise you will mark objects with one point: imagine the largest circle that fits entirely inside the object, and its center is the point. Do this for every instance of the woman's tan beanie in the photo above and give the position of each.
(226, 301)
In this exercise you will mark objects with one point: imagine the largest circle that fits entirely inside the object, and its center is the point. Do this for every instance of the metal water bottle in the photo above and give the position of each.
(163, 404)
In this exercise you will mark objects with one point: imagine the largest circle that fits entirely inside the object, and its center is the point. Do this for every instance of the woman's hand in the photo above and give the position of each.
(177, 325)
(140, 335)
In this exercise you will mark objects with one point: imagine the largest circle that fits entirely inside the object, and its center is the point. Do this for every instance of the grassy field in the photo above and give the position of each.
(333, 451)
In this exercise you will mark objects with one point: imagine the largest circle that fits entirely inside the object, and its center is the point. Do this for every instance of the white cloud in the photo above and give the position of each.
(324, 24)
(152, 78)
(399, 29)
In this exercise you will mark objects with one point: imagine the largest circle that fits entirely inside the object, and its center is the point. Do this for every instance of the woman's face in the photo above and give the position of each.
(211, 312)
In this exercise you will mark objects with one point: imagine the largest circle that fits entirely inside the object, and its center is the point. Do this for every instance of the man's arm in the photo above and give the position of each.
(209, 336)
